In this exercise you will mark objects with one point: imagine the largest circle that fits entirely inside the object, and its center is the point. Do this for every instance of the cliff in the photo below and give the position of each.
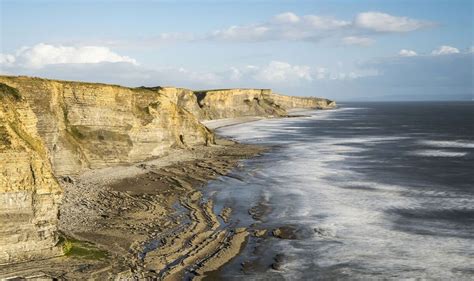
(53, 129)
(29, 194)
(230, 103)
(89, 126)
(289, 102)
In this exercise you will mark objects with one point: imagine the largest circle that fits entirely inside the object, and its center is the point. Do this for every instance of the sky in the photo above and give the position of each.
(344, 50)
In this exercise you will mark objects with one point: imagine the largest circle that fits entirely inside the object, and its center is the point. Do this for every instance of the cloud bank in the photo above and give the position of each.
(407, 53)
(445, 50)
(382, 22)
(42, 55)
(445, 73)
(361, 30)
(290, 26)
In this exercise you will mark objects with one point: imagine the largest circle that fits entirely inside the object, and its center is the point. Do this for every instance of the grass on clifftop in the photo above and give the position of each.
(7, 91)
(81, 249)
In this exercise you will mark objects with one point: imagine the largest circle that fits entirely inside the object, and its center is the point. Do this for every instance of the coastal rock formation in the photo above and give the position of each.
(89, 126)
(288, 102)
(230, 103)
(29, 193)
(53, 130)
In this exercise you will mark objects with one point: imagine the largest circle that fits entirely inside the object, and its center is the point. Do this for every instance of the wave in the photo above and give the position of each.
(453, 144)
(438, 153)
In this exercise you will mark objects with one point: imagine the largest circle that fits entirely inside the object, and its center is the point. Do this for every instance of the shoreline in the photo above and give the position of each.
(146, 220)
(221, 123)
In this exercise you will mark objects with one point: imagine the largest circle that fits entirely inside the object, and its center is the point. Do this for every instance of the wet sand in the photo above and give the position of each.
(147, 220)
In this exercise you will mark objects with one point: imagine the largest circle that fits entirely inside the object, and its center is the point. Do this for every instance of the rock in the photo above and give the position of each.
(67, 179)
(279, 260)
(225, 214)
(240, 230)
(292, 232)
(29, 193)
(231, 103)
(260, 233)
(323, 232)
(252, 266)
(285, 232)
(259, 211)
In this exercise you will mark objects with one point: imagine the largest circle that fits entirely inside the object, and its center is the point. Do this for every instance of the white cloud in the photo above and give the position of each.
(203, 78)
(285, 26)
(407, 53)
(324, 23)
(277, 71)
(241, 33)
(6, 59)
(382, 22)
(322, 73)
(235, 74)
(42, 55)
(284, 73)
(290, 26)
(286, 18)
(356, 40)
(445, 50)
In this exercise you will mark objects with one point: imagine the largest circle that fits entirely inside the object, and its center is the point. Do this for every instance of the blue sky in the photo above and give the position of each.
(345, 50)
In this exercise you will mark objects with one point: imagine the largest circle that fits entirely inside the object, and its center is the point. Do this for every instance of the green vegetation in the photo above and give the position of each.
(34, 143)
(81, 249)
(143, 113)
(7, 91)
(76, 133)
(4, 137)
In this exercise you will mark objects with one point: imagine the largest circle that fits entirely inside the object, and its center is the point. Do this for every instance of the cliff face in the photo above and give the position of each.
(29, 194)
(217, 104)
(92, 125)
(184, 98)
(288, 102)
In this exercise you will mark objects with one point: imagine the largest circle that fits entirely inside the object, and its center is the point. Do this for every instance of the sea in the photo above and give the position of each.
(373, 191)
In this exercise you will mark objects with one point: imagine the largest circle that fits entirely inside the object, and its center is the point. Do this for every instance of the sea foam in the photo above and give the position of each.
(452, 144)
(438, 153)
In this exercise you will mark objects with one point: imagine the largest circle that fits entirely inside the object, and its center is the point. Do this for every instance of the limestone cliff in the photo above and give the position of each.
(29, 193)
(288, 102)
(229, 103)
(87, 125)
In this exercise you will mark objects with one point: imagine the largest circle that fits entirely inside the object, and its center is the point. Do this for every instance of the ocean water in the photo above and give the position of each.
(375, 191)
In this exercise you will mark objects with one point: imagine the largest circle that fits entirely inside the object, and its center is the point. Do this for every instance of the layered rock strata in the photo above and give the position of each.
(29, 193)
(231, 103)
(89, 126)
